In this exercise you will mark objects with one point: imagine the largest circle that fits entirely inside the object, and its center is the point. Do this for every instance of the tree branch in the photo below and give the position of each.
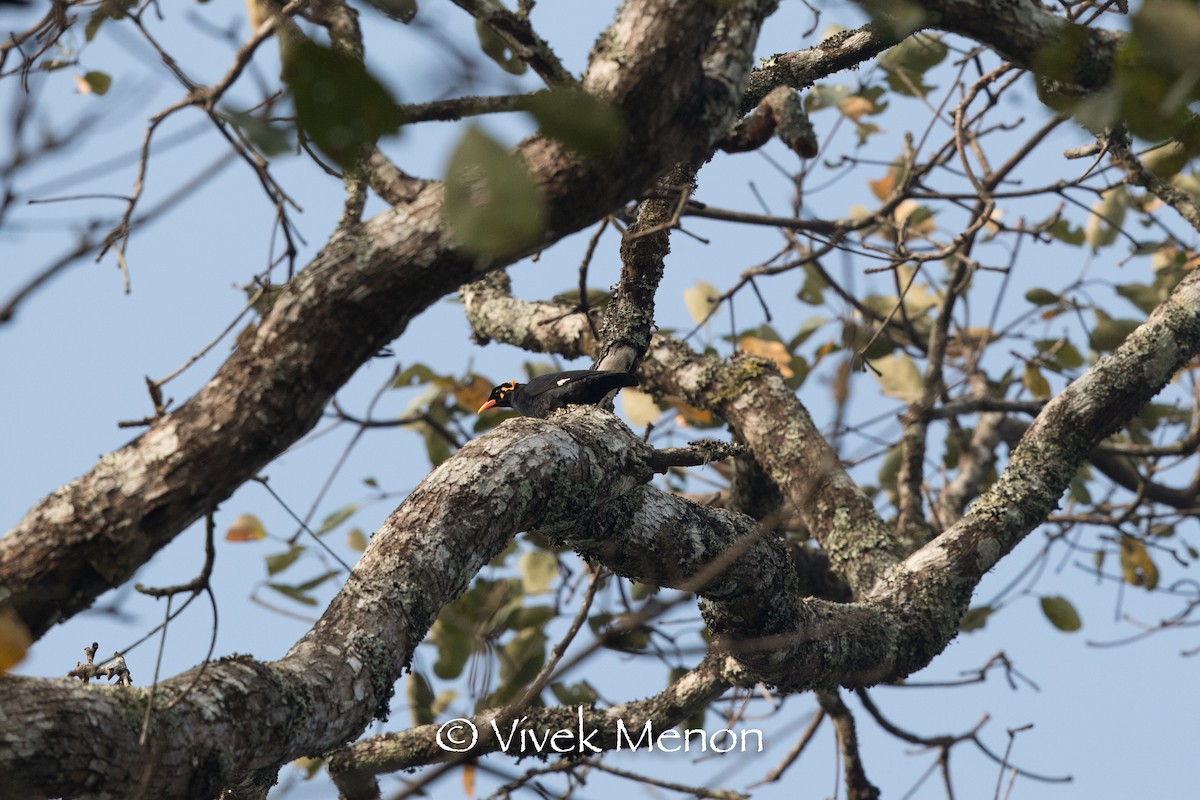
(93, 533)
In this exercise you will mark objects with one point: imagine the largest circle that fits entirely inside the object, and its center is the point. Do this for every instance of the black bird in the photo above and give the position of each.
(547, 393)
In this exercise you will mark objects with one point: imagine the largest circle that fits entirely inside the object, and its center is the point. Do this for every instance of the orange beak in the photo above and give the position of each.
(486, 406)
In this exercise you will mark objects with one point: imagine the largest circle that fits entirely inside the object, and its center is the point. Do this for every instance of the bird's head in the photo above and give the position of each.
(501, 397)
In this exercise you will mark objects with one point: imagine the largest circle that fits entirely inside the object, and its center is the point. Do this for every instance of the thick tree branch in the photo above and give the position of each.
(575, 477)
(327, 688)
(357, 295)
(629, 319)
(357, 765)
(766, 417)
(1066, 432)
(803, 68)
(1023, 31)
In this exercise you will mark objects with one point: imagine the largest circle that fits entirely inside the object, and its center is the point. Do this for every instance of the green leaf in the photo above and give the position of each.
(575, 694)
(520, 660)
(1036, 383)
(633, 640)
(907, 63)
(98, 82)
(109, 9)
(313, 583)
(523, 617)
(270, 139)
(336, 518)
(1041, 297)
(596, 298)
(1063, 232)
(641, 591)
(1069, 356)
(579, 120)
(356, 539)
(454, 646)
(1109, 333)
(420, 699)
(492, 203)
(1059, 354)
(294, 593)
(975, 618)
(1157, 69)
(341, 106)
(807, 328)
(899, 377)
(437, 447)
(1108, 213)
(495, 48)
(539, 570)
(812, 291)
(416, 374)
(1061, 613)
(281, 561)
(1145, 297)
(895, 19)
(400, 10)
(1079, 491)
(889, 472)
(443, 700)
(799, 367)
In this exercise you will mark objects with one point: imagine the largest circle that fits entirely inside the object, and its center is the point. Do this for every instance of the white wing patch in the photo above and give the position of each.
(561, 381)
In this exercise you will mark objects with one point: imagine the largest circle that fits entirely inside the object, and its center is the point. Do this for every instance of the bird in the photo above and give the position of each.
(547, 393)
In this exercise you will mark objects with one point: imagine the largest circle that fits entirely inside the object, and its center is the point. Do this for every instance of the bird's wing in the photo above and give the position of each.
(544, 383)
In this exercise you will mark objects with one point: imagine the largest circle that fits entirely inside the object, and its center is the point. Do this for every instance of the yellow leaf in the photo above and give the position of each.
(916, 217)
(472, 394)
(992, 226)
(1189, 185)
(309, 766)
(246, 528)
(968, 340)
(1166, 161)
(254, 14)
(858, 212)
(883, 187)
(539, 570)
(1105, 220)
(693, 417)
(15, 639)
(841, 382)
(1137, 567)
(919, 298)
(639, 407)
(469, 778)
(824, 350)
(356, 539)
(899, 377)
(856, 106)
(772, 351)
(700, 300)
